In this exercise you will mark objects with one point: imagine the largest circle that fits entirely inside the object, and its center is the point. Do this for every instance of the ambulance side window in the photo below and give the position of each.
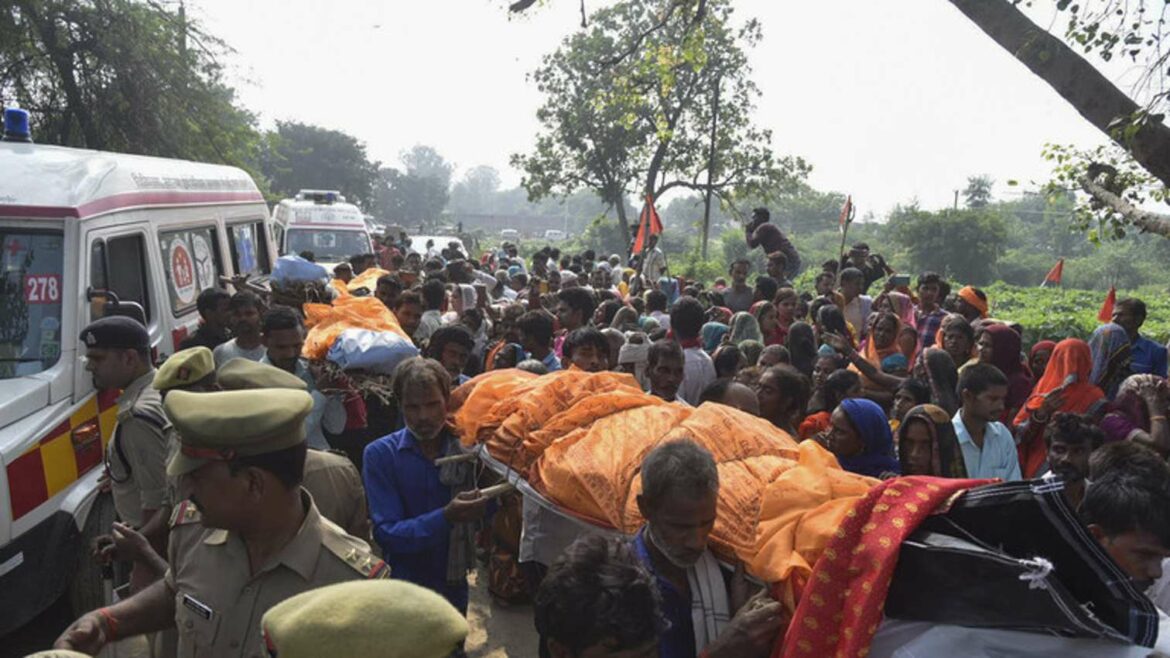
(192, 264)
(119, 264)
(249, 248)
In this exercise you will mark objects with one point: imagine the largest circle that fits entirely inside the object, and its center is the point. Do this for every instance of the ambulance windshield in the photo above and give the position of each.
(328, 245)
(31, 263)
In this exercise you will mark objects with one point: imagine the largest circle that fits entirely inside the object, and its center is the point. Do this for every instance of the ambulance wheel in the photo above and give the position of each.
(86, 590)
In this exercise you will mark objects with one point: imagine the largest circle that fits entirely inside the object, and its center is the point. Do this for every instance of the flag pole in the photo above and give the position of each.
(847, 214)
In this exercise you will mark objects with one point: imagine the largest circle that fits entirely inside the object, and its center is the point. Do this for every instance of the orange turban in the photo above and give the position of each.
(969, 295)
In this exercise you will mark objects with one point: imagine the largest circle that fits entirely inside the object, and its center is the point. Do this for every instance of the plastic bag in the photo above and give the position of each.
(292, 267)
(374, 351)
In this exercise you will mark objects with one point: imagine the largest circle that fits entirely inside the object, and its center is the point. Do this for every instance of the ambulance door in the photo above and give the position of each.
(117, 261)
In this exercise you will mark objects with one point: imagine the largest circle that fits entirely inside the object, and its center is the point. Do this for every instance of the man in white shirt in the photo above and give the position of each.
(989, 451)
(434, 293)
(654, 267)
(246, 310)
(686, 320)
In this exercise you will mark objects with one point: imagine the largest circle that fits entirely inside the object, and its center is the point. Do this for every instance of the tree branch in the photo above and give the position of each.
(1143, 219)
(1075, 79)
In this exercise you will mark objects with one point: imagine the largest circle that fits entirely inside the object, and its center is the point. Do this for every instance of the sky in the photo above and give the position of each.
(890, 102)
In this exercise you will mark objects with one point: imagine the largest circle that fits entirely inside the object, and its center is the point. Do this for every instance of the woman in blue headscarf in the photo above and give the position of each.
(712, 335)
(669, 287)
(1110, 346)
(859, 435)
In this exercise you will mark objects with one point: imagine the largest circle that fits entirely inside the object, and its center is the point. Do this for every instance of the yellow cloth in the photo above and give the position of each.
(367, 280)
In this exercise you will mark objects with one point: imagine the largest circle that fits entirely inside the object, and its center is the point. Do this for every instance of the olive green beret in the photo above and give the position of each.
(365, 618)
(184, 368)
(241, 373)
(225, 425)
(57, 653)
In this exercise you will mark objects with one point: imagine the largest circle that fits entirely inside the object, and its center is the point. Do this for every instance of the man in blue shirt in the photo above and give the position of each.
(536, 335)
(989, 451)
(1145, 357)
(680, 487)
(424, 516)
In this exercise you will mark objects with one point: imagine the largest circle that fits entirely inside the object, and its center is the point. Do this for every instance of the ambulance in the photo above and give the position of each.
(321, 222)
(85, 234)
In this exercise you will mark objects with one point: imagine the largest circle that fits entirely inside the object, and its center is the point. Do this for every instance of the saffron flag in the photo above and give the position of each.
(1106, 313)
(1054, 275)
(647, 221)
(846, 214)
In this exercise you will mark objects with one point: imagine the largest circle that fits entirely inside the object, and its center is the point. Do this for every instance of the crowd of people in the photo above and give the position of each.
(894, 377)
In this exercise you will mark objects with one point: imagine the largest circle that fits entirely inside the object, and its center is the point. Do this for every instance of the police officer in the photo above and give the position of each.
(117, 355)
(248, 537)
(329, 476)
(372, 619)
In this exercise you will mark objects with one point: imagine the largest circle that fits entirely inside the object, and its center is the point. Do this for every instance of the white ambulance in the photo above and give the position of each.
(321, 222)
(85, 234)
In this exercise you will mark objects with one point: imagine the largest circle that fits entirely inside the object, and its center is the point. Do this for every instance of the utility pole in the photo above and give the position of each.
(956, 200)
(711, 165)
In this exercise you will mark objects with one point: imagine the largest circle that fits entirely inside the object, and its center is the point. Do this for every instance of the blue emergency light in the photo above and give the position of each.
(16, 125)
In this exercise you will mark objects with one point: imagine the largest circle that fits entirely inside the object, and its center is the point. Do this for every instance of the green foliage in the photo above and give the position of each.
(962, 244)
(417, 193)
(120, 75)
(629, 105)
(978, 191)
(311, 157)
(1056, 313)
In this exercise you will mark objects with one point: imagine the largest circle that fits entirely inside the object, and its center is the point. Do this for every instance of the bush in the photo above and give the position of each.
(1057, 313)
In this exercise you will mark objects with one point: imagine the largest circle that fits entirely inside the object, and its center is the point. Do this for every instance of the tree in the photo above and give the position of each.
(476, 192)
(978, 191)
(963, 244)
(1107, 27)
(417, 193)
(311, 157)
(119, 75)
(631, 102)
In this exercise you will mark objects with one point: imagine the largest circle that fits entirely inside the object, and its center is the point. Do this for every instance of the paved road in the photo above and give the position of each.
(496, 631)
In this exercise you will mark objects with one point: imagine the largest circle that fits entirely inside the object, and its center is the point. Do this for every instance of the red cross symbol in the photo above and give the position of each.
(14, 247)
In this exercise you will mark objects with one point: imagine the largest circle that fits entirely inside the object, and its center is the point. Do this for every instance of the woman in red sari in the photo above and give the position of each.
(999, 345)
(1065, 387)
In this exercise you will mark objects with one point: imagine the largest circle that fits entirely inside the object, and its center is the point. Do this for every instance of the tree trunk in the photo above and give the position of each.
(1074, 78)
(623, 221)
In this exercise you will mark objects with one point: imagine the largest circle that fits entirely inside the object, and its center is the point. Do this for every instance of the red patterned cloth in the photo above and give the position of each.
(841, 607)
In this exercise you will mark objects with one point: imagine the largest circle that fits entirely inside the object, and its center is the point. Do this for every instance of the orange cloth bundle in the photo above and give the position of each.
(579, 439)
(326, 322)
(367, 280)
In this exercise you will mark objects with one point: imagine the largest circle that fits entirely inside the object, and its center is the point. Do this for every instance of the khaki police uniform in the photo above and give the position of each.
(219, 601)
(181, 370)
(337, 489)
(371, 619)
(136, 457)
(333, 480)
